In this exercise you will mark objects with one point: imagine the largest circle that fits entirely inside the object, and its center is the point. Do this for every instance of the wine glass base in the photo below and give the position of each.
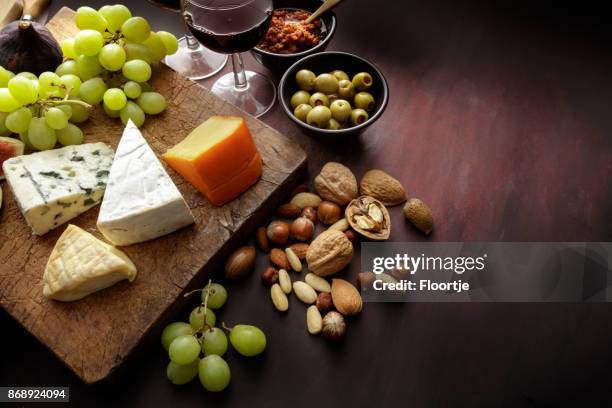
(257, 98)
(195, 64)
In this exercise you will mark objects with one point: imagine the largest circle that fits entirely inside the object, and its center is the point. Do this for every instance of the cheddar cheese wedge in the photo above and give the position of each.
(219, 158)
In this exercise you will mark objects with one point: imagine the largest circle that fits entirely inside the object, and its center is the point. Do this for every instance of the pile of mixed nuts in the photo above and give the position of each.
(349, 211)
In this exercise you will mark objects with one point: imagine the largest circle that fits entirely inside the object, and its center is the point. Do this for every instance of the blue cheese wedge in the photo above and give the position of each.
(80, 264)
(141, 201)
(54, 186)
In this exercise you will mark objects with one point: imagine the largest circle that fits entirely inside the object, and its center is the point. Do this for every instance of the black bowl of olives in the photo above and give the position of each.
(334, 94)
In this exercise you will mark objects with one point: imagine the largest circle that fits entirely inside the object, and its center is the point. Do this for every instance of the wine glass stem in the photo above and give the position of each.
(192, 43)
(240, 81)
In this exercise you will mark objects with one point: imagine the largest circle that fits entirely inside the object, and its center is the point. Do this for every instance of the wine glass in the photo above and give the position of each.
(232, 27)
(191, 59)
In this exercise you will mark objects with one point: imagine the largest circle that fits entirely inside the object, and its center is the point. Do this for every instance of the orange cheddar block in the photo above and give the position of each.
(219, 158)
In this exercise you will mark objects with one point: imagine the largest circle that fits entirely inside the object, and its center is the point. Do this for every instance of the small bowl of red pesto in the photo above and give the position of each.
(289, 38)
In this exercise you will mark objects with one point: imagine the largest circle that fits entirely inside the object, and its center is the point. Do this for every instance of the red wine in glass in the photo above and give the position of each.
(231, 29)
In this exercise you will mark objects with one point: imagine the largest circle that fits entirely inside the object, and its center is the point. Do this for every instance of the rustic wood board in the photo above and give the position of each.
(95, 335)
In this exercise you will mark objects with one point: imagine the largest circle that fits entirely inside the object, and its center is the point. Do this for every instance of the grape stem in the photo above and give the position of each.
(228, 329)
(42, 104)
(70, 101)
(205, 305)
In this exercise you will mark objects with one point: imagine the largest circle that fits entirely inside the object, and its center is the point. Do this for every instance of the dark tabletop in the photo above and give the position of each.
(500, 120)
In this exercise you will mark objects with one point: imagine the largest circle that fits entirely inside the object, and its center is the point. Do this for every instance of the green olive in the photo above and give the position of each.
(340, 75)
(319, 117)
(301, 111)
(341, 110)
(359, 116)
(299, 98)
(364, 100)
(305, 79)
(332, 98)
(362, 81)
(326, 83)
(346, 89)
(319, 99)
(333, 124)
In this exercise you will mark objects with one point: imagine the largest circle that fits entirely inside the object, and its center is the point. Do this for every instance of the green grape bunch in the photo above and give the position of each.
(108, 62)
(196, 348)
(112, 55)
(42, 110)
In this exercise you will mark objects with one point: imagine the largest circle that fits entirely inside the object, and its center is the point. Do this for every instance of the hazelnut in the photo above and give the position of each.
(334, 327)
(324, 302)
(310, 213)
(328, 212)
(352, 236)
(262, 240)
(270, 276)
(365, 280)
(278, 232)
(302, 229)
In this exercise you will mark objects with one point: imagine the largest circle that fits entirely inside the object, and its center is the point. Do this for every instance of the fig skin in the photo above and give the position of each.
(29, 46)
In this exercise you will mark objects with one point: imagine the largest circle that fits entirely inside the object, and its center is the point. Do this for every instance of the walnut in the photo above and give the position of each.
(336, 183)
(369, 217)
(329, 253)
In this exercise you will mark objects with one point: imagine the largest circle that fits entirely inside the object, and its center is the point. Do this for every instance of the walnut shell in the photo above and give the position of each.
(329, 253)
(336, 183)
(383, 187)
(370, 218)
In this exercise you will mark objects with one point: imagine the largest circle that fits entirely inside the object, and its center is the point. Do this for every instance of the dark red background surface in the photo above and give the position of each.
(500, 120)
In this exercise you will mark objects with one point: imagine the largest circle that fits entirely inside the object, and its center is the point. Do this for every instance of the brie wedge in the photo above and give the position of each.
(141, 201)
(80, 264)
(54, 186)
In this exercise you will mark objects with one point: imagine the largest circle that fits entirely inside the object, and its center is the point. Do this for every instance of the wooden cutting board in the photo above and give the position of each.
(95, 335)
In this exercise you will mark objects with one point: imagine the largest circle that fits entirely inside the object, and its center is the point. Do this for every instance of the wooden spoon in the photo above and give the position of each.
(33, 8)
(327, 5)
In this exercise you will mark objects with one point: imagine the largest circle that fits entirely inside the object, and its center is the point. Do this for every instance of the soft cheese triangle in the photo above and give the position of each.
(80, 264)
(54, 186)
(141, 201)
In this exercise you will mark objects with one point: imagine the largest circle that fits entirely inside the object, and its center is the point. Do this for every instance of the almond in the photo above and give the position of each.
(279, 299)
(419, 214)
(261, 238)
(346, 298)
(304, 292)
(314, 321)
(341, 225)
(383, 187)
(318, 283)
(284, 281)
(279, 259)
(294, 261)
(288, 210)
(300, 250)
(304, 200)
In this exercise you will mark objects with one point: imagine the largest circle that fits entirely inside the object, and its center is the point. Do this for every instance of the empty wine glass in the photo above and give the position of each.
(191, 59)
(232, 27)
